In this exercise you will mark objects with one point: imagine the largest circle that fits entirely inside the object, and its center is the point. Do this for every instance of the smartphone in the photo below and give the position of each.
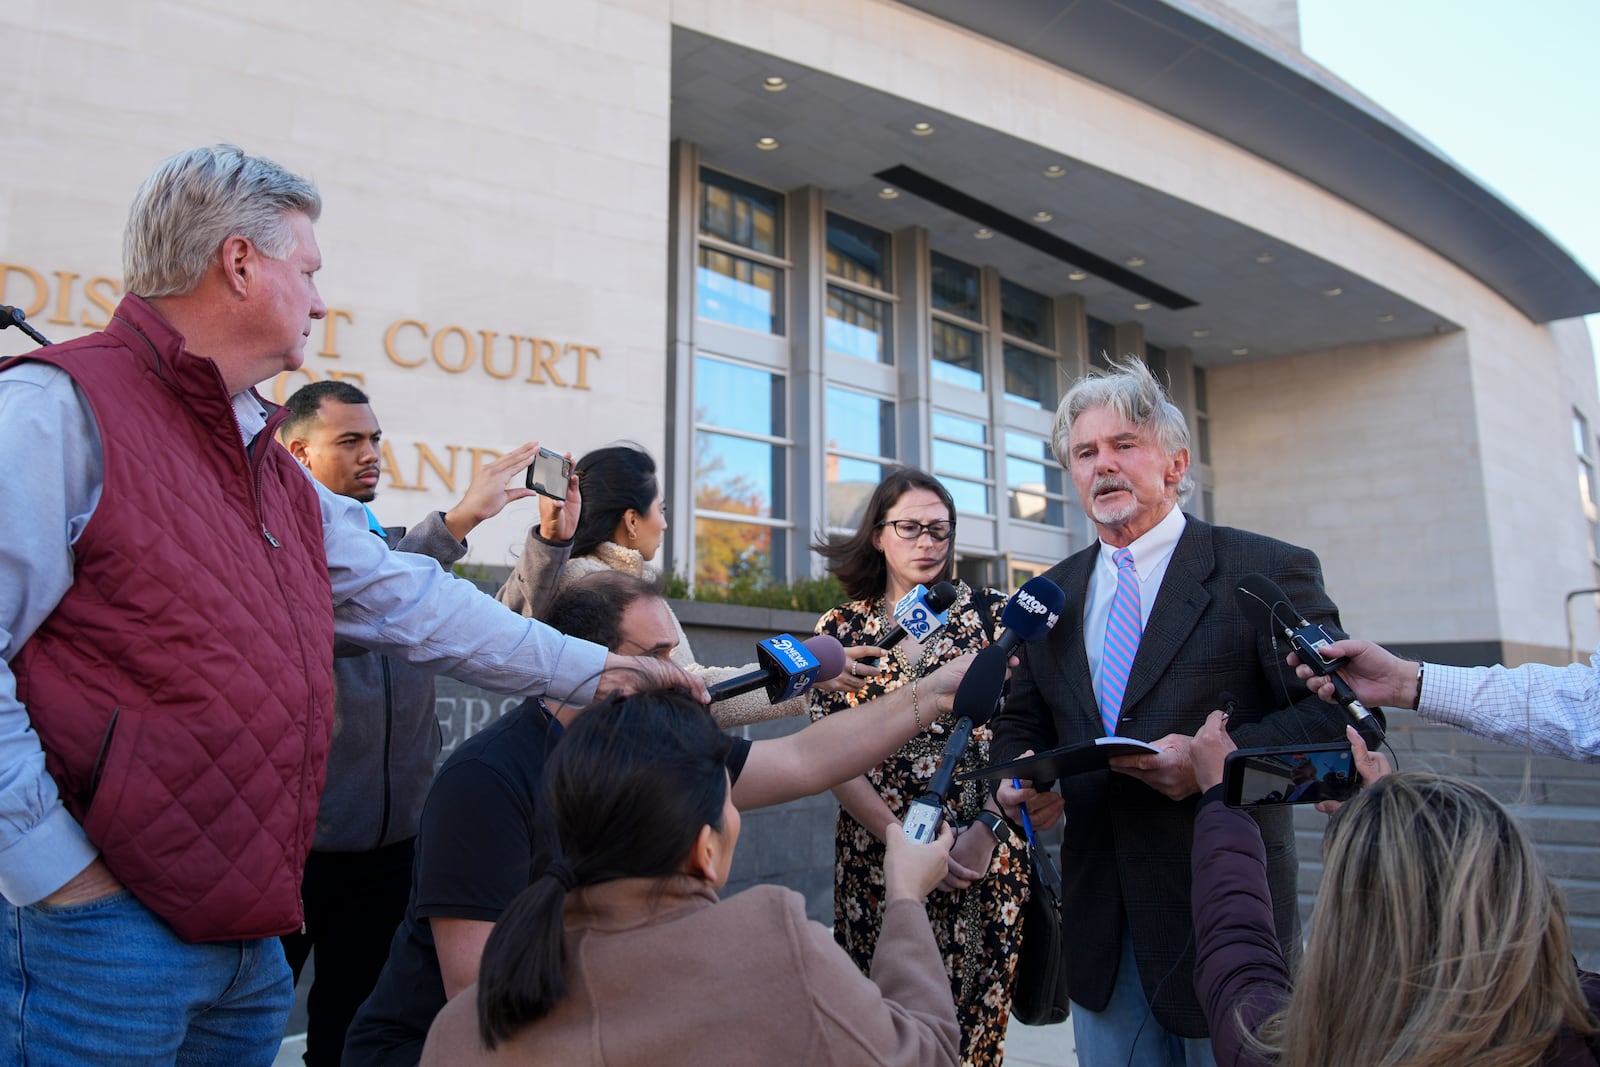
(1303, 774)
(549, 473)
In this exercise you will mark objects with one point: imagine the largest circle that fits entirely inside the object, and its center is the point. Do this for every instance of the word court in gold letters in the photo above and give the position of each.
(412, 345)
(408, 343)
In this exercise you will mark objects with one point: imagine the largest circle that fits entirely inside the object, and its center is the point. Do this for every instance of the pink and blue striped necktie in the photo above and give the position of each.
(1123, 627)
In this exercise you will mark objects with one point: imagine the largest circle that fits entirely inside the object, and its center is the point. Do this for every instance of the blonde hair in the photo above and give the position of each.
(1437, 940)
(197, 199)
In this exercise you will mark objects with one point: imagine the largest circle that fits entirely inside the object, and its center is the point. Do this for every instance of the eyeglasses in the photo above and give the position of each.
(910, 529)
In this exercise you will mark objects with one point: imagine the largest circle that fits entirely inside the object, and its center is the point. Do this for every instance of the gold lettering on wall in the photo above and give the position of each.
(543, 364)
(330, 332)
(391, 469)
(454, 350)
(488, 356)
(468, 353)
(426, 458)
(103, 293)
(584, 353)
(62, 315)
(390, 335)
(41, 292)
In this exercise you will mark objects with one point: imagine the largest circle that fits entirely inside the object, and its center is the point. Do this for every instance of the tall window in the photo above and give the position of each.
(1029, 328)
(861, 447)
(1102, 343)
(859, 311)
(740, 472)
(961, 459)
(1034, 481)
(957, 349)
(740, 280)
(739, 457)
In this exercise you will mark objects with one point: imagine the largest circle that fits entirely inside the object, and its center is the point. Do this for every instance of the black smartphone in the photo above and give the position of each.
(549, 473)
(1303, 774)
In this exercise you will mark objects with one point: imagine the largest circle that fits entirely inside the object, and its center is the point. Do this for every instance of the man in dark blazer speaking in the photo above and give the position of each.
(1150, 638)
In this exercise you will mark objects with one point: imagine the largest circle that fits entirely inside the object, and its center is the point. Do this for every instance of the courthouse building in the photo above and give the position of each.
(783, 244)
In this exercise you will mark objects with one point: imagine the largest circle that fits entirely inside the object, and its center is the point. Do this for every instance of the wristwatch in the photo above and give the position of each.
(997, 824)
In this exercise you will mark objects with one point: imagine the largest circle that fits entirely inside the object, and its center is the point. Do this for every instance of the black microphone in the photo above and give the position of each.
(921, 613)
(1267, 605)
(787, 668)
(1031, 612)
(974, 705)
(15, 316)
(1027, 616)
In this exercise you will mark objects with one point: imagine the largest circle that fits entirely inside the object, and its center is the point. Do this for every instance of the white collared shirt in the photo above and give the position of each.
(1151, 554)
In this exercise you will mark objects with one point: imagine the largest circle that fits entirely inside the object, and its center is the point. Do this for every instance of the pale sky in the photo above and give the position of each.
(1509, 91)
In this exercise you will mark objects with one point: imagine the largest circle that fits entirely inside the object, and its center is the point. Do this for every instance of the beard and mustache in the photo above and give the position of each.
(1105, 513)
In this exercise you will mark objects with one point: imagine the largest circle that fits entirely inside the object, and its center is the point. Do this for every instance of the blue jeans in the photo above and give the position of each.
(107, 982)
(1126, 1033)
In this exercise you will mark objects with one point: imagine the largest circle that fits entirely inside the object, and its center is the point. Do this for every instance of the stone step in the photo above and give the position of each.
(1556, 824)
(1572, 861)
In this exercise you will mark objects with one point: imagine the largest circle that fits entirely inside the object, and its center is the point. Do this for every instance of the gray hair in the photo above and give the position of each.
(196, 200)
(1130, 390)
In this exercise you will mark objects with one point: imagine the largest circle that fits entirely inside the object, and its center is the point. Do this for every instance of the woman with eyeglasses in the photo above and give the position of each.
(906, 539)
(621, 517)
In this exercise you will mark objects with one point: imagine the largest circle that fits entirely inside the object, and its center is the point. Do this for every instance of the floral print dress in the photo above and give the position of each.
(976, 927)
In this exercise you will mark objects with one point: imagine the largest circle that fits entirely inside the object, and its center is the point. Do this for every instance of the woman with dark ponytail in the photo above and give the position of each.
(621, 951)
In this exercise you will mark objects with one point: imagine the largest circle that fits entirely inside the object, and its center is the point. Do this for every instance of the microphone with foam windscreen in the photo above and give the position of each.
(786, 668)
(1027, 616)
(1267, 605)
(1031, 612)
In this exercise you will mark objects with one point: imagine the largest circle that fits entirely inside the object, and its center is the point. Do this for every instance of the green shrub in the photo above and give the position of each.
(811, 595)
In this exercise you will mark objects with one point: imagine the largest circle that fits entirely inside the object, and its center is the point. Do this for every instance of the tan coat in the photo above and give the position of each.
(677, 977)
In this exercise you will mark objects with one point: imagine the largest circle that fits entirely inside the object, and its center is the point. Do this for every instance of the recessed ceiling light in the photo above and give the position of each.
(1077, 276)
(983, 234)
(767, 144)
(1199, 333)
(1266, 257)
(1054, 170)
(1241, 351)
(1042, 216)
(922, 129)
(1386, 318)
(888, 192)
(774, 84)
(1334, 291)
(1135, 261)
(1143, 305)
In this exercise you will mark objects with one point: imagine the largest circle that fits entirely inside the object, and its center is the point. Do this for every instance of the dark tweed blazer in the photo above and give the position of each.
(1125, 847)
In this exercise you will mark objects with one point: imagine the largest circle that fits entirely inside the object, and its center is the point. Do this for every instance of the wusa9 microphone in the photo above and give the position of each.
(919, 615)
(1028, 616)
(787, 668)
(1267, 605)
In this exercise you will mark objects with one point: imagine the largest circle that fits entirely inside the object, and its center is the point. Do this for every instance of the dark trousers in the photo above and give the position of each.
(354, 902)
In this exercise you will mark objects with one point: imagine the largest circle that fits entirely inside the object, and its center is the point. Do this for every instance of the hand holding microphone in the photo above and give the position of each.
(786, 667)
(920, 614)
(1267, 605)
(1376, 675)
(1027, 616)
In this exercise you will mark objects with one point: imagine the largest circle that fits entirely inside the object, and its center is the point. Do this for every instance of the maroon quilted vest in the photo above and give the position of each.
(182, 690)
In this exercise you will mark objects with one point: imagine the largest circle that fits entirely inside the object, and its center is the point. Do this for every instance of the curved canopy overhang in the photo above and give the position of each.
(1202, 66)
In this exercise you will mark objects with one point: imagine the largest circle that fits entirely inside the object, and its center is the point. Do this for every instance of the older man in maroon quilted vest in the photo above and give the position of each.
(171, 584)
